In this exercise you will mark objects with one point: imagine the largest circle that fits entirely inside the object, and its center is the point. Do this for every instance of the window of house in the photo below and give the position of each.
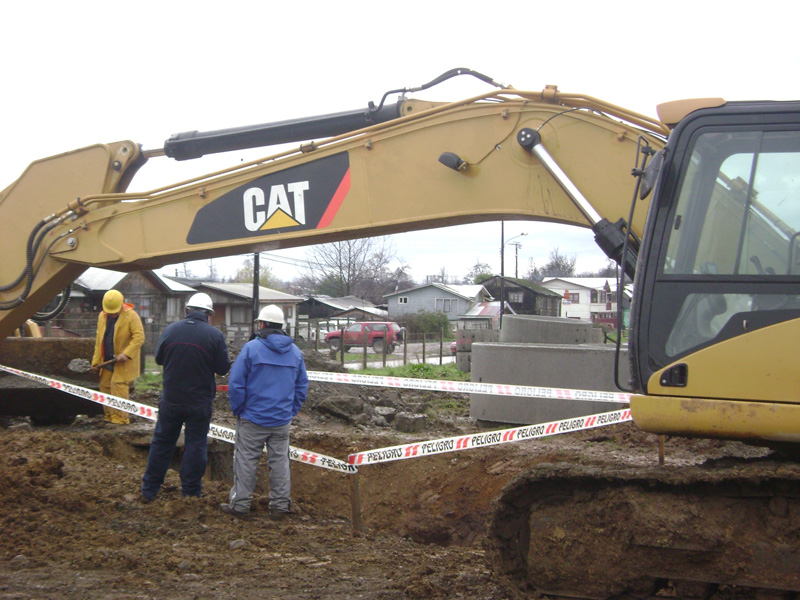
(144, 308)
(575, 298)
(402, 300)
(595, 298)
(288, 311)
(239, 314)
(516, 296)
(444, 305)
(174, 306)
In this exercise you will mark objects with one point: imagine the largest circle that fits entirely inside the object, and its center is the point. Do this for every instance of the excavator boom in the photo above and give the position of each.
(386, 178)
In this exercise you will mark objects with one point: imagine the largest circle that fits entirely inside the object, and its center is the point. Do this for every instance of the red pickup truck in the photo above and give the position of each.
(381, 336)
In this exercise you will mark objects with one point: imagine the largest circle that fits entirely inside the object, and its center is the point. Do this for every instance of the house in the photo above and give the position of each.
(361, 313)
(325, 307)
(157, 299)
(589, 298)
(524, 297)
(453, 300)
(233, 306)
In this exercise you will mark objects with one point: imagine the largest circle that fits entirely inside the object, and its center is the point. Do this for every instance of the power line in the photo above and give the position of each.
(286, 260)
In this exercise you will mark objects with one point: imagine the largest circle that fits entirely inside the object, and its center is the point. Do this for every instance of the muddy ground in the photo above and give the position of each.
(72, 525)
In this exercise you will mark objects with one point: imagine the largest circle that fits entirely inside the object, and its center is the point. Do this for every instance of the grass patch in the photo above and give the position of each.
(150, 379)
(447, 372)
(448, 406)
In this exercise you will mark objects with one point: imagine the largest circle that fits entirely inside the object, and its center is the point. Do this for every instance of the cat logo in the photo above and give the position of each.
(299, 198)
(280, 211)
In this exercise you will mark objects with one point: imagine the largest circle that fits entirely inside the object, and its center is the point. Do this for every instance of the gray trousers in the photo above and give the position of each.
(249, 445)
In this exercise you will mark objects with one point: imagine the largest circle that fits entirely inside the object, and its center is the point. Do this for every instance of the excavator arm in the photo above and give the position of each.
(511, 155)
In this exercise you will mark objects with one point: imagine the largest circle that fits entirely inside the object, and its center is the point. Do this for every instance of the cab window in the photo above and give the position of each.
(736, 226)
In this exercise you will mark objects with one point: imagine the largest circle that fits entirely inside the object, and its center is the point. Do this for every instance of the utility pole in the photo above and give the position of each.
(502, 270)
(503, 243)
(516, 258)
(256, 299)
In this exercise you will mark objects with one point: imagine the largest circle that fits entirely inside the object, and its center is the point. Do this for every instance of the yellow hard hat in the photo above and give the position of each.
(112, 301)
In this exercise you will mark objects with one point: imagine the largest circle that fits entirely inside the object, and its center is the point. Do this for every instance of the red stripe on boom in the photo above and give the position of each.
(336, 201)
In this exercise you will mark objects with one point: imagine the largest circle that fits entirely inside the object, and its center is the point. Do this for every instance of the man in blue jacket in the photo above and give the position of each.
(191, 351)
(266, 388)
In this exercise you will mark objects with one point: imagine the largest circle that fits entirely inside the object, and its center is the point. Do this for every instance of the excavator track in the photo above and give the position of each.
(724, 529)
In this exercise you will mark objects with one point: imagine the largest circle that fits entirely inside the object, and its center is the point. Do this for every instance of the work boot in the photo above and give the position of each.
(278, 515)
(117, 417)
(239, 514)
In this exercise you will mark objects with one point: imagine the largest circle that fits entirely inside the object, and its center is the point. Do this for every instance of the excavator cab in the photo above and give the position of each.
(720, 276)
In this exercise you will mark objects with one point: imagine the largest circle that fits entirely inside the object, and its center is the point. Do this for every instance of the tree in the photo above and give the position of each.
(533, 273)
(478, 273)
(212, 270)
(558, 266)
(391, 281)
(610, 270)
(244, 274)
(351, 267)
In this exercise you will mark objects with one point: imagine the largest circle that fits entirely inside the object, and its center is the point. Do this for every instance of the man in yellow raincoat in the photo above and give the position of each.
(120, 336)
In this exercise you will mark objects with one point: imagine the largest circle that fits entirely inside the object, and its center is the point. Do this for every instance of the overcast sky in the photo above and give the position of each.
(79, 73)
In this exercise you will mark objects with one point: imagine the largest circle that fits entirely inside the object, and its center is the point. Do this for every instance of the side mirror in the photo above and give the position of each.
(650, 175)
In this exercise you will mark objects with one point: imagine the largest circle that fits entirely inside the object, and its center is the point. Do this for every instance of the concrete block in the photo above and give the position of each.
(582, 367)
(545, 330)
(464, 361)
(466, 337)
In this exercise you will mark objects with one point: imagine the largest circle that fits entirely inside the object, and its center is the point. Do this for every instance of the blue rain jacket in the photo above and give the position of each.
(268, 382)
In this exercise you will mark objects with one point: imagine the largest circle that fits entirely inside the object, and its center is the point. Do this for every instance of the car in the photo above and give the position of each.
(382, 336)
(453, 348)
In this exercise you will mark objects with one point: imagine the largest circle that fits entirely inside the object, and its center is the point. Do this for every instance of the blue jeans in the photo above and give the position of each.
(171, 417)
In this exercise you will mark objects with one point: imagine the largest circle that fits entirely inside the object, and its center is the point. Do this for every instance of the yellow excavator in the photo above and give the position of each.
(708, 227)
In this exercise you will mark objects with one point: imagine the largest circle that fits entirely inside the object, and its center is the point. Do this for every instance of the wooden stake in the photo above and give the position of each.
(356, 505)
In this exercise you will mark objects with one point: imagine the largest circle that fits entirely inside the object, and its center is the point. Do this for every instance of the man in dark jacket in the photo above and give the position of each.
(267, 386)
(191, 351)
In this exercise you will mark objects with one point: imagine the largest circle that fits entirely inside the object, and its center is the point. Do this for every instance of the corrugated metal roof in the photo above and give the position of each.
(173, 286)
(592, 283)
(95, 279)
(245, 290)
(468, 292)
(486, 309)
(344, 303)
(370, 310)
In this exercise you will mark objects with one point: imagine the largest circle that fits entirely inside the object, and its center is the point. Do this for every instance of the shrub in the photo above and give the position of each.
(426, 322)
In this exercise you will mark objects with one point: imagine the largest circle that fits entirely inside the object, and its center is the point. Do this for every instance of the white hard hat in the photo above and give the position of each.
(271, 314)
(201, 301)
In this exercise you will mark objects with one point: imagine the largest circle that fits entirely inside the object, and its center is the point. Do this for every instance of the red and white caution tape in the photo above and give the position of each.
(415, 450)
(491, 438)
(470, 387)
(148, 412)
(128, 406)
